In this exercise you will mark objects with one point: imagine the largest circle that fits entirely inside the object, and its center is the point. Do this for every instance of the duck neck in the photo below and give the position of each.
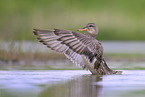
(93, 32)
(93, 35)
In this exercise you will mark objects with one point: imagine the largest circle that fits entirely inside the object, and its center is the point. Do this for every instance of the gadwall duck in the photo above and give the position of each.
(82, 49)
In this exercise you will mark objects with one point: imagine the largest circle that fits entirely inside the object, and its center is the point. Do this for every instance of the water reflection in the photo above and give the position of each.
(52, 83)
(71, 83)
(81, 86)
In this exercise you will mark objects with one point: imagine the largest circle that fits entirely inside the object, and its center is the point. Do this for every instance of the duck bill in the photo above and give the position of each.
(83, 29)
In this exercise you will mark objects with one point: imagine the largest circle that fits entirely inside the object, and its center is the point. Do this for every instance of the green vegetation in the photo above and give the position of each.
(117, 19)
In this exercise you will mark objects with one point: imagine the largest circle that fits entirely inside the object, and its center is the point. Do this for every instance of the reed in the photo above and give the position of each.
(28, 57)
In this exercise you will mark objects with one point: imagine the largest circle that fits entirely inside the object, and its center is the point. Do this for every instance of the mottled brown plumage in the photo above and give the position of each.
(82, 49)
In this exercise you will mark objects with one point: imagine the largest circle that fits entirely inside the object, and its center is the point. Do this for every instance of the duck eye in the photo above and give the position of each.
(91, 26)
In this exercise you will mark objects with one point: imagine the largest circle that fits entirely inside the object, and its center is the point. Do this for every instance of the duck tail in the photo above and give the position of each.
(103, 69)
(107, 70)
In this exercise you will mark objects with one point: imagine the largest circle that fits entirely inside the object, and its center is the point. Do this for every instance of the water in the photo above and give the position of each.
(131, 47)
(71, 83)
(18, 82)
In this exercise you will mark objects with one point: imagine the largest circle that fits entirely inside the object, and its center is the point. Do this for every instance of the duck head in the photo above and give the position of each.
(91, 28)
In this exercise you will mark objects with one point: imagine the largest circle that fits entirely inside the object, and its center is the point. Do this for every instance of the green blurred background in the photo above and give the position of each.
(117, 19)
(121, 29)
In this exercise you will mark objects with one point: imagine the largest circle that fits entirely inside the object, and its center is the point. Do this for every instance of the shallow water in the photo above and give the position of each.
(128, 47)
(17, 82)
(71, 83)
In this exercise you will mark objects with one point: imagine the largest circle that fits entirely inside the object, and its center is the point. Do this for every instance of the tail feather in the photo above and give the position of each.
(103, 69)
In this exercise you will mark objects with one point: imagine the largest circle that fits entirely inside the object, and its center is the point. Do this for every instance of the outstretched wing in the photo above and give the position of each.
(74, 45)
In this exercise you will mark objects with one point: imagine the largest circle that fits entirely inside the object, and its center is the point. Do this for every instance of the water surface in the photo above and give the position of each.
(71, 83)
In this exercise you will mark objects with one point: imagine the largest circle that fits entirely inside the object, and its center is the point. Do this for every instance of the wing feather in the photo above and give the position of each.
(75, 46)
(58, 41)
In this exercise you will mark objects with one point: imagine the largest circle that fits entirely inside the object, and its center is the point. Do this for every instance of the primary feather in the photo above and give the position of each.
(73, 44)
